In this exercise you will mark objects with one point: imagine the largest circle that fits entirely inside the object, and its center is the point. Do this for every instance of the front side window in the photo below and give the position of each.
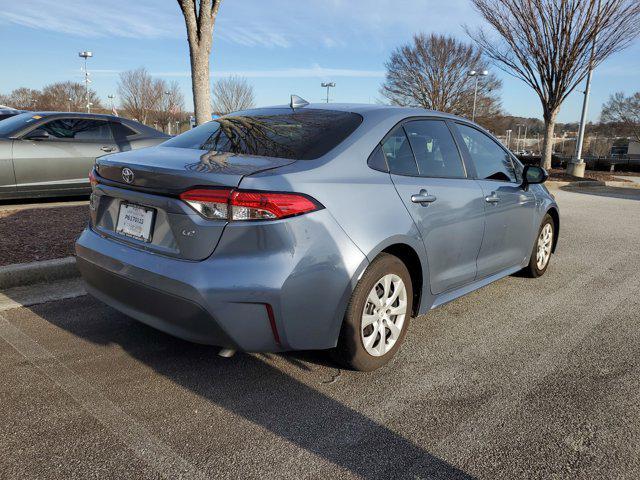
(278, 132)
(491, 161)
(398, 154)
(78, 129)
(434, 149)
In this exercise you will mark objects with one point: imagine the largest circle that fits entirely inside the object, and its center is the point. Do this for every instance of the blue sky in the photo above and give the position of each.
(281, 46)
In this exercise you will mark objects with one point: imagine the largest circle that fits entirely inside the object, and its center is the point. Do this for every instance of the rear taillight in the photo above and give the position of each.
(228, 204)
(93, 181)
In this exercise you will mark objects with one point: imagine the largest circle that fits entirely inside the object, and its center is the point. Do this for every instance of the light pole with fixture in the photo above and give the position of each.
(328, 85)
(111, 97)
(86, 54)
(476, 74)
(167, 93)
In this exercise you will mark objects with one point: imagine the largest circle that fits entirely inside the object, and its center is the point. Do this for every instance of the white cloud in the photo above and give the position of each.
(315, 71)
(249, 23)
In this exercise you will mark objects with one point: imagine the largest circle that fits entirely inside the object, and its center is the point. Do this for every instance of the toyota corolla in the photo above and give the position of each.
(312, 227)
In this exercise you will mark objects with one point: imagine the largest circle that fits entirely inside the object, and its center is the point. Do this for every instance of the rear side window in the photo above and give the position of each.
(78, 129)
(284, 133)
(434, 148)
(491, 161)
(398, 154)
(121, 131)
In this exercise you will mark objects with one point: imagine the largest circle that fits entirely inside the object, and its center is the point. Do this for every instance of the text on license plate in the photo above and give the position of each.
(135, 221)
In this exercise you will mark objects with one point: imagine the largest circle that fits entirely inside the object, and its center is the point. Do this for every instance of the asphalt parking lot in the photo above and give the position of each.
(522, 379)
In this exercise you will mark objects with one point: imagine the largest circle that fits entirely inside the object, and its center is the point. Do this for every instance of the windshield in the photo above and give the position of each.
(283, 133)
(17, 122)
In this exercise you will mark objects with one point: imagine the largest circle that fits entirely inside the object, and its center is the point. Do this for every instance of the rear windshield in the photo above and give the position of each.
(283, 133)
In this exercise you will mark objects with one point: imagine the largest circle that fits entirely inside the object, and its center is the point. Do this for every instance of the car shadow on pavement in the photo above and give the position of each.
(628, 193)
(255, 388)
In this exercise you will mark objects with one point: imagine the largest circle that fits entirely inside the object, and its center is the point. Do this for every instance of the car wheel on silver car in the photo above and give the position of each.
(378, 315)
(542, 248)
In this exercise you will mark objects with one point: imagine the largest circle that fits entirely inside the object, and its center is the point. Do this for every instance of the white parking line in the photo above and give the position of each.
(143, 443)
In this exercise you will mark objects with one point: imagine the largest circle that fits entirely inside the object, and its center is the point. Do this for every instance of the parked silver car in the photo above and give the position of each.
(314, 227)
(51, 153)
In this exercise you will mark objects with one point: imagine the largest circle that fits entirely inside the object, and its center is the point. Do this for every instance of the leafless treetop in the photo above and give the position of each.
(232, 94)
(432, 72)
(547, 43)
(623, 110)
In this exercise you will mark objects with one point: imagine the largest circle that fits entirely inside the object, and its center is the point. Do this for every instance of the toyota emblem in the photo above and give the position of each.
(127, 175)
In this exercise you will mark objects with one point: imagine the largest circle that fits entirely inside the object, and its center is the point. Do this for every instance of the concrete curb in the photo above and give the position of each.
(20, 274)
(579, 184)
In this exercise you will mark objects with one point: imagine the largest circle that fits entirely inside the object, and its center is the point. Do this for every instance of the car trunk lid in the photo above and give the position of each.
(170, 170)
(153, 178)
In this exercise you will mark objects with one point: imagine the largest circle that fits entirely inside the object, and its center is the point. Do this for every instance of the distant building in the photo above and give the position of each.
(624, 147)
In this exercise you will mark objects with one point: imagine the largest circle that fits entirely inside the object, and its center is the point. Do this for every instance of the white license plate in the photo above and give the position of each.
(135, 221)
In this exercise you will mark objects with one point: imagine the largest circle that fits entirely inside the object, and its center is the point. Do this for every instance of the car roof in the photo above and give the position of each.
(141, 128)
(366, 109)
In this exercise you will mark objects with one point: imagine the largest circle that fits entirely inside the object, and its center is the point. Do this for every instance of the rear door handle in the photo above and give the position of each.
(423, 197)
(493, 198)
(107, 149)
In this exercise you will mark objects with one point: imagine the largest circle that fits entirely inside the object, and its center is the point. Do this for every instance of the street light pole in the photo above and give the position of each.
(111, 97)
(508, 139)
(474, 73)
(86, 54)
(169, 121)
(577, 166)
(328, 85)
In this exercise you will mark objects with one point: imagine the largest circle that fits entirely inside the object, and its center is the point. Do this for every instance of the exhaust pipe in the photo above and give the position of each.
(226, 352)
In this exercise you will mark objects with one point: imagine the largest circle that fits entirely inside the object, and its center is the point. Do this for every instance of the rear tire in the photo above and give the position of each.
(541, 253)
(377, 317)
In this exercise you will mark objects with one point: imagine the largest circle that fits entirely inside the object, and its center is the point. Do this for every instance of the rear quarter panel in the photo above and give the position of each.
(363, 201)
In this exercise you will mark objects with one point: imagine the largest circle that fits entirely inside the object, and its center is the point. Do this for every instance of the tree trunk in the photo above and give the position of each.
(547, 145)
(200, 84)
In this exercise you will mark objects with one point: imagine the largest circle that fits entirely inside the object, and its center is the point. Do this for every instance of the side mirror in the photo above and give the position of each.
(532, 175)
(37, 134)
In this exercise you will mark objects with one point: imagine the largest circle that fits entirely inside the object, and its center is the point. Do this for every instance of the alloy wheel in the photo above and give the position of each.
(545, 240)
(384, 315)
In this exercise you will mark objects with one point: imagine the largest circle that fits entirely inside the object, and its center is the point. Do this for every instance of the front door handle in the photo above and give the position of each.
(107, 149)
(493, 198)
(423, 197)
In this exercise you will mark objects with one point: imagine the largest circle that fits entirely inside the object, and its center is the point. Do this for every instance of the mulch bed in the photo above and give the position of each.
(560, 175)
(40, 233)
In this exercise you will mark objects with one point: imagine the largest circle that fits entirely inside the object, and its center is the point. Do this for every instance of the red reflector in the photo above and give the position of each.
(269, 205)
(272, 322)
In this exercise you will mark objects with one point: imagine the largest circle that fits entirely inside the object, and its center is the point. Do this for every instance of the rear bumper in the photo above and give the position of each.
(304, 269)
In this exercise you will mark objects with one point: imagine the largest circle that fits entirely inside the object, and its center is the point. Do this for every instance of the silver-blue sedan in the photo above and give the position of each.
(312, 227)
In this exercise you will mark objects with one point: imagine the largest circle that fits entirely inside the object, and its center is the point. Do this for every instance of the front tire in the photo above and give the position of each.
(377, 316)
(541, 253)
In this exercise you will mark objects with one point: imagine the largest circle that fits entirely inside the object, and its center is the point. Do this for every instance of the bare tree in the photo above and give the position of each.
(624, 111)
(171, 105)
(22, 98)
(232, 94)
(432, 72)
(140, 94)
(63, 96)
(200, 18)
(548, 44)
